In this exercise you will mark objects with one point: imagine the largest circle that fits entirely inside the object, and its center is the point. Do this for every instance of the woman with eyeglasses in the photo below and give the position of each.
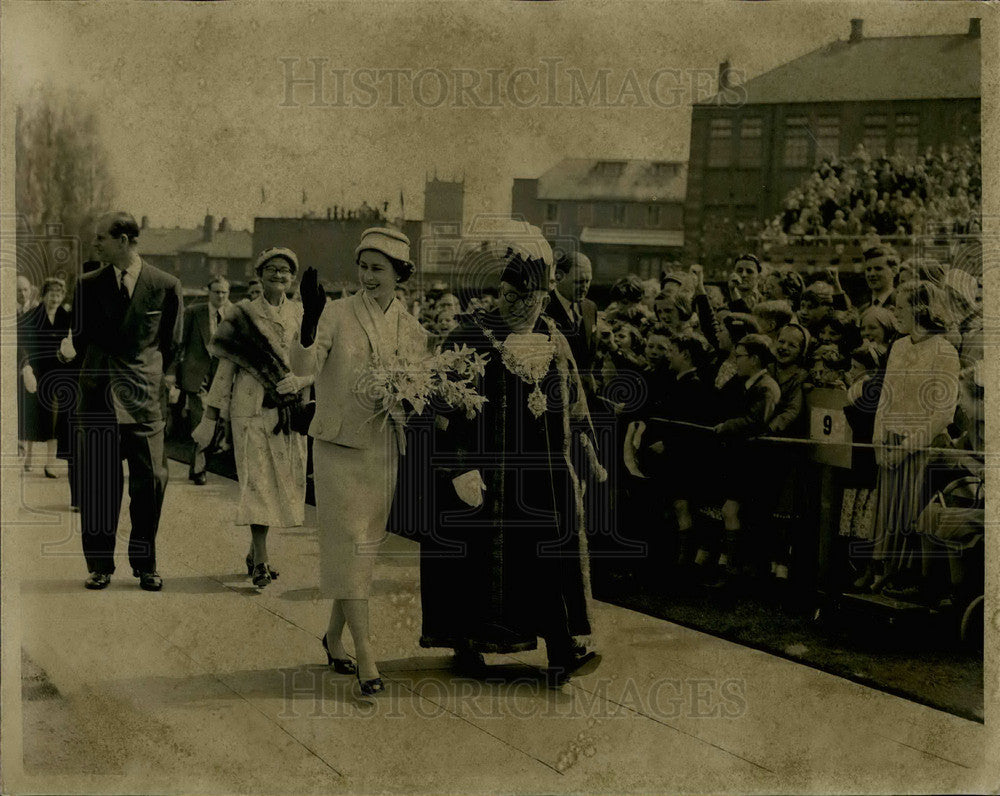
(255, 389)
(355, 452)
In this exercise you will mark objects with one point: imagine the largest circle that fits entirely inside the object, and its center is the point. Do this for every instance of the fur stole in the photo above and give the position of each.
(246, 338)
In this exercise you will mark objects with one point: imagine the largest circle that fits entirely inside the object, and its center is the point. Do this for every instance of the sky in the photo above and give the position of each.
(198, 116)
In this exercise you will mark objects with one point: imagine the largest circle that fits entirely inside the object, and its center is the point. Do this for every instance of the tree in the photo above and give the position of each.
(61, 178)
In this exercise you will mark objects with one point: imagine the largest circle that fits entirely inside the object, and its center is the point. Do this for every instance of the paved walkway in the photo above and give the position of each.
(210, 686)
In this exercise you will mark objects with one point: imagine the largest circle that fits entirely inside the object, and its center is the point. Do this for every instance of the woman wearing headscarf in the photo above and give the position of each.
(255, 389)
(355, 454)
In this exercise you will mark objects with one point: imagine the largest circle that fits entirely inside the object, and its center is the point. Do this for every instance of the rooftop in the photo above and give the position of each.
(225, 243)
(614, 180)
(869, 69)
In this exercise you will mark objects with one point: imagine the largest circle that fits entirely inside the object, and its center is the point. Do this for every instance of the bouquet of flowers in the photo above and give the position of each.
(403, 386)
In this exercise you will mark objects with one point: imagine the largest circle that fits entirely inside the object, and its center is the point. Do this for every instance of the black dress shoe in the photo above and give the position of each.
(469, 662)
(97, 580)
(199, 478)
(49, 473)
(150, 581)
(560, 671)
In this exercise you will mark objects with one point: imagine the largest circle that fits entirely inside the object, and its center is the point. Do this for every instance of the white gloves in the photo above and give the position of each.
(30, 383)
(292, 383)
(470, 487)
(66, 350)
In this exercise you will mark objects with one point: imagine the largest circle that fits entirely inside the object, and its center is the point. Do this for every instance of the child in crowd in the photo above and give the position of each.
(829, 368)
(772, 315)
(746, 405)
(857, 515)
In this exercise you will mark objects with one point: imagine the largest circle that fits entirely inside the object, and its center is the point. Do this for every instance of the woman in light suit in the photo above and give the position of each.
(354, 452)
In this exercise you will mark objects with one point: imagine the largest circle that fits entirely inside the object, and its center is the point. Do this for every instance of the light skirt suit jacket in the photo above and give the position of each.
(355, 447)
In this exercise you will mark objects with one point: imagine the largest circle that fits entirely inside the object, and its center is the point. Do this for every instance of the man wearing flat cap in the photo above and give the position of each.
(506, 565)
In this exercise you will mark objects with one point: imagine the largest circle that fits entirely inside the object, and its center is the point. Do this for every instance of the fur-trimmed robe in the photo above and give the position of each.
(496, 577)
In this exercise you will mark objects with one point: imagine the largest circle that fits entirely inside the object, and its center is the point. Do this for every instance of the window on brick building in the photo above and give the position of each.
(610, 168)
(907, 139)
(720, 142)
(551, 211)
(796, 141)
(875, 136)
(750, 142)
(653, 216)
(827, 138)
(618, 214)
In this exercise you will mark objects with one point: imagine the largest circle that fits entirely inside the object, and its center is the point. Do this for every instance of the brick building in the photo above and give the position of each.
(194, 255)
(626, 215)
(751, 144)
(326, 244)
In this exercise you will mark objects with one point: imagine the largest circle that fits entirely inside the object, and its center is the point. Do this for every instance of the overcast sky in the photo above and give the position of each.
(192, 97)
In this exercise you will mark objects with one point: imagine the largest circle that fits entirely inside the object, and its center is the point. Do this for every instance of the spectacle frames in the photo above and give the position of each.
(274, 269)
(529, 300)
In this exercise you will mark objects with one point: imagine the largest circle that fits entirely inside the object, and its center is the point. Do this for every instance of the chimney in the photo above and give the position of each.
(224, 225)
(144, 224)
(974, 27)
(724, 67)
(857, 28)
(208, 228)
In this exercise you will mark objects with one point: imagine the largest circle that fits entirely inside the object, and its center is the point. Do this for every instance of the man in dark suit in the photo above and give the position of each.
(196, 367)
(126, 323)
(573, 312)
(881, 267)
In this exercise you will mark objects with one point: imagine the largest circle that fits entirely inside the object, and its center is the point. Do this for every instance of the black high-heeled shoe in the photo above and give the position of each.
(272, 572)
(49, 473)
(370, 688)
(261, 577)
(340, 665)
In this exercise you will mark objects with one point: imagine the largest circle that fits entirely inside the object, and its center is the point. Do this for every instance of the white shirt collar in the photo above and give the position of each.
(133, 269)
(881, 297)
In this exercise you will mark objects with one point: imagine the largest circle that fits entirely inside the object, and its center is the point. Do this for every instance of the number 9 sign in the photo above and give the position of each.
(828, 426)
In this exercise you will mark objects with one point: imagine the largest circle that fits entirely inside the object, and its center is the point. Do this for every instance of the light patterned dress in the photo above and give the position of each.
(271, 467)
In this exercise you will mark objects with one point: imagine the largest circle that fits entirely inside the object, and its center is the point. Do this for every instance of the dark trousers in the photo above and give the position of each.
(103, 444)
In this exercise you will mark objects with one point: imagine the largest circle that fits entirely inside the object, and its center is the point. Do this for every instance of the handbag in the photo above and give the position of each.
(302, 415)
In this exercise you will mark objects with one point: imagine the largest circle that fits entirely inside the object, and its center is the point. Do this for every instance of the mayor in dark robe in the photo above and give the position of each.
(507, 560)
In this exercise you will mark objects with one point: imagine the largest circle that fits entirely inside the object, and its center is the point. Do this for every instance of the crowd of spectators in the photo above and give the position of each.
(863, 195)
(721, 489)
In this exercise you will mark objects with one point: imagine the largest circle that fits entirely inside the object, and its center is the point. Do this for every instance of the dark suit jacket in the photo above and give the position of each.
(889, 303)
(746, 413)
(125, 350)
(582, 342)
(194, 362)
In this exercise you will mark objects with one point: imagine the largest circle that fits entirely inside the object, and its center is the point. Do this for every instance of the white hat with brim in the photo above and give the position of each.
(390, 242)
(276, 252)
